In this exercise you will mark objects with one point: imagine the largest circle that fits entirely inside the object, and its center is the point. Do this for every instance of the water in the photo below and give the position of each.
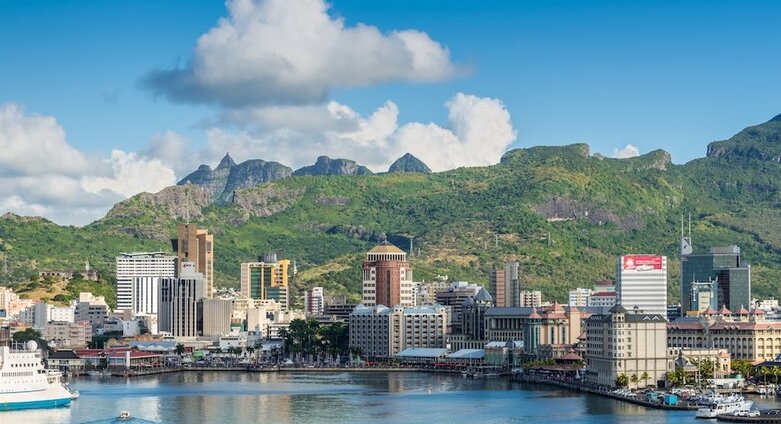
(232, 397)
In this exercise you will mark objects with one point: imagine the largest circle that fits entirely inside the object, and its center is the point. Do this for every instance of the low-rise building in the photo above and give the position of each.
(91, 308)
(744, 334)
(67, 334)
(530, 299)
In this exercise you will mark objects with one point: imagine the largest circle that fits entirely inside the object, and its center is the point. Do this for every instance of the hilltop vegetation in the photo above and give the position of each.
(563, 213)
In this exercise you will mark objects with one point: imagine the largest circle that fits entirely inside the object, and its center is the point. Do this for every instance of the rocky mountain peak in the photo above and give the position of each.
(409, 163)
(327, 166)
(226, 162)
(759, 142)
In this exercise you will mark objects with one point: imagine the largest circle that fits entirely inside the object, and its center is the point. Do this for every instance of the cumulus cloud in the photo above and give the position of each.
(628, 151)
(293, 52)
(479, 131)
(44, 175)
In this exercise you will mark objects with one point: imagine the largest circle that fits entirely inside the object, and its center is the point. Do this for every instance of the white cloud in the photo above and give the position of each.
(628, 151)
(132, 175)
(44, 175)
(478, 133)
(294, 52)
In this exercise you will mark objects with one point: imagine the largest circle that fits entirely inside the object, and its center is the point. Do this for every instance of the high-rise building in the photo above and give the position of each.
(505, 285)
(387, 277)
(266, 280)
(136, 265)
(196, 245)
(314, 301)
(641, 283)
(179, 296)
(714, 279)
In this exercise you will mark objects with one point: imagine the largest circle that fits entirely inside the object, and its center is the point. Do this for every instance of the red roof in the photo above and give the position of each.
(724, 310)
(742, 311)
(534, 314)
(710, 311)
(114, 353)
(757, 311)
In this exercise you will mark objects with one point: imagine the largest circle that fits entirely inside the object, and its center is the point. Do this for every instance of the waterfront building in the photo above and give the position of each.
(267, 318)
(626, 342)
(148, 268)
(530, 299)
(214, 316)
(547, 325)
(505, 285)
(196, 245)
(688, 358)
(579, 297)
(718, 277)
(744, 334)
(266, 279)
(92, 309)
(641, 281)
(179, 296)
(314, 300)
(382, 332)
(67, 334)
(454, 297)
(387, 277)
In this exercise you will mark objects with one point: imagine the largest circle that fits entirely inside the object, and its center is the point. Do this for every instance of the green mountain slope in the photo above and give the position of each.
(563, 213)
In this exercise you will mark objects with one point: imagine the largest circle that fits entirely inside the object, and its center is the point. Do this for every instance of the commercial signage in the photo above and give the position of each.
(642, 263)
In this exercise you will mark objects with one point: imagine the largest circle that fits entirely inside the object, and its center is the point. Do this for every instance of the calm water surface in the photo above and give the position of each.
(225, 397)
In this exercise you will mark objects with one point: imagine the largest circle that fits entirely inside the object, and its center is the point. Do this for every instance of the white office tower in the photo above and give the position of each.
(314, 301)
(641, 283)
(140, 265)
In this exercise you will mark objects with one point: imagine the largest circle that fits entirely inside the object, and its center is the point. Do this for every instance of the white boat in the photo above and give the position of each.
(124, 415)
(25, 383)
(727, 406)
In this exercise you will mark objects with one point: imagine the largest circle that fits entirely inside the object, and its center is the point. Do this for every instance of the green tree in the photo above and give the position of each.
(179, 349)
(645, 378)
(742, 366)
(622, 381)
(634, 379)
(31, 334)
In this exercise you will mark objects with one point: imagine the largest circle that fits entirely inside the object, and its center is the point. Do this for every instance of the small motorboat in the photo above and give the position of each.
(124, 415)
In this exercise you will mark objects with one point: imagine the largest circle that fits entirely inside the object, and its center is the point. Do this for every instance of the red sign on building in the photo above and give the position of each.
(642, 263)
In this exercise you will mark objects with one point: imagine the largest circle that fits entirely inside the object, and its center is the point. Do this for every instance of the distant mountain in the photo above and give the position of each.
(328, 166)
(761, 142)
(563, 212)
(409, 163)
(221, 183)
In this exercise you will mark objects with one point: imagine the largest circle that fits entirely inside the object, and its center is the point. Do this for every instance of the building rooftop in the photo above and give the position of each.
(422, 352)
(386, 247)
(467, 354)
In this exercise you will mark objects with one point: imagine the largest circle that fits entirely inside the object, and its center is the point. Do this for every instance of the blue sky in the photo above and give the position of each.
(673, 75)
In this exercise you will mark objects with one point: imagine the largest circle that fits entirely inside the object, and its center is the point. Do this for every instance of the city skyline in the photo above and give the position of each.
(137, 104)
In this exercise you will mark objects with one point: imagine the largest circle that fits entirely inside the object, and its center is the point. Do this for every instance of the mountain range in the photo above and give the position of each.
(563, 212)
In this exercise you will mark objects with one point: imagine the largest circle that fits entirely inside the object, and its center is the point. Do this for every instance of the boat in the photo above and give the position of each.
(25, 383)
(727, 406)
(123, 415)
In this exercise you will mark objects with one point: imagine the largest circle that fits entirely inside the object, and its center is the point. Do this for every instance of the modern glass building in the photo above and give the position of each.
(722, 273)
(266, 280)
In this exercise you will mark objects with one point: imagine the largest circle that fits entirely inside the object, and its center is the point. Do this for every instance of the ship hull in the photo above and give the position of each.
(34, 404)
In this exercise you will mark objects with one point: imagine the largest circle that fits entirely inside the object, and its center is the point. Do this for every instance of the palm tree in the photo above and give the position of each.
(179, 349)
(622, 381)
(634, 379)
(645, 378)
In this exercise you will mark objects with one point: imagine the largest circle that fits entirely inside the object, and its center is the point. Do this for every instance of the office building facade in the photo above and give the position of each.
(196, 245)
(387, 277)
(641, 283)
(179, 296)
(713, 279)
(134, 265)
(505, 285)
(266, 280)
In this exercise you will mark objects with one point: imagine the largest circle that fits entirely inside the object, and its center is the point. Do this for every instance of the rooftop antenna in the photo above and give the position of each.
(686, 242)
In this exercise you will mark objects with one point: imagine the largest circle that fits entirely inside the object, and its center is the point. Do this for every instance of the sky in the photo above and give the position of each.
(101, 100)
